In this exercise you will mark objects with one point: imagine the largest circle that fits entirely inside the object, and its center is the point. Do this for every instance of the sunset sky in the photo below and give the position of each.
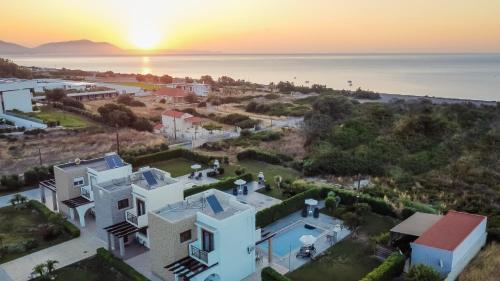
(260, 25)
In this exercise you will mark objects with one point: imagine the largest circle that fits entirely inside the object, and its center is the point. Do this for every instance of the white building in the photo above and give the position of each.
(207, 236)
(450, 243)
(16, 94)
(181, 125)
(200, 89)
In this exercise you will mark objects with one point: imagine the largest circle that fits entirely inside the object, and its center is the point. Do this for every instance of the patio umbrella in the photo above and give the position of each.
(239, 182)
(311, 202)
(196, 167)
(216, 163)
(307, 239)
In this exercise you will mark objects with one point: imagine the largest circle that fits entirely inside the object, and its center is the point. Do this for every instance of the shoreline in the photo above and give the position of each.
(386, 98)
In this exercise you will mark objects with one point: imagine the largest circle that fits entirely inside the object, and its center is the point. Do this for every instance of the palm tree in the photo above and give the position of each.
(51, 266)
(277, 180)
(13, 201)
(40, 271)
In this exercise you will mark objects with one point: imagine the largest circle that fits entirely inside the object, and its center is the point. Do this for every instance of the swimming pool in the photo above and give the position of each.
(289, 239)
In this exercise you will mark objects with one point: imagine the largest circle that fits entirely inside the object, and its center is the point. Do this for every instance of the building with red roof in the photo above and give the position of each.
(450, 243)
(174, 95)
(181, 125)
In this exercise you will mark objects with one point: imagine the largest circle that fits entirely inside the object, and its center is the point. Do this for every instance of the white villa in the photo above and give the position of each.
(181, 125)
(208, 236)
(200, 89)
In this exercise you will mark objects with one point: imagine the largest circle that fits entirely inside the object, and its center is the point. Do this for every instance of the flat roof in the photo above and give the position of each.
(160, 178)
(98, 164)
(416, 224)
(198, 203)
(116, 184)
(450, 231)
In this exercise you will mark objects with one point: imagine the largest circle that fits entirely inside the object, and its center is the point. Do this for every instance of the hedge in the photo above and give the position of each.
(269, 274)
(171, 154)
(220, 185)
(55, 218)
(120, 265)
(288, 206)
(388, 270)
(260, 156)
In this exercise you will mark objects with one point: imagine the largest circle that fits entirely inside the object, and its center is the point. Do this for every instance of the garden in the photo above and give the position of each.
(62, 118)
(26, 228)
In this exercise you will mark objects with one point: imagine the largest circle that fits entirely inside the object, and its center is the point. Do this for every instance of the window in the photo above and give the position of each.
(185, 236)
(141, 207)
(77, 182)
(122, 204)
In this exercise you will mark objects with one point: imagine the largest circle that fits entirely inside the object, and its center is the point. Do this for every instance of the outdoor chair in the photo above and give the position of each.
(191, 175)
(306, 252)
(304, 212)
(199, 176)
(245, 190)
(316, 213)
(235, 191)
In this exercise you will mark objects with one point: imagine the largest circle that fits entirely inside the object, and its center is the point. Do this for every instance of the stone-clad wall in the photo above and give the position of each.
(106, 208)
(164, 239)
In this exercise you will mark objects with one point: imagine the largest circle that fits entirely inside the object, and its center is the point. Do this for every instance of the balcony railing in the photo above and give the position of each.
(199, 253)
(132, 218)
(85, 192)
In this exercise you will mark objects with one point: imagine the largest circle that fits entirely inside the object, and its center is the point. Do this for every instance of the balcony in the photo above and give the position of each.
(87, 193)
(208, 258)
(139, 221)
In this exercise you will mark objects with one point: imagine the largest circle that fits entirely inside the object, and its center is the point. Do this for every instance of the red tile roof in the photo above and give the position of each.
(450, 230)
(173, 113)
(171, 92)
(158, 126)
(194, 119)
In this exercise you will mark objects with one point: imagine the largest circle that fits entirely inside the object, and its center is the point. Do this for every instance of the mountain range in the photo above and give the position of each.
(76, 47)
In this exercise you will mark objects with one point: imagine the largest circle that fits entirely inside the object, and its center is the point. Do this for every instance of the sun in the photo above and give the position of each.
(145, 35)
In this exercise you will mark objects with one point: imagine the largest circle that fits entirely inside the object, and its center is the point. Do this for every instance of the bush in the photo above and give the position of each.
(11, 181)
(253, 154)
(119, 265)
(36, 174)
(72, 103)
(171, 154)
(269, 274)
(220, 185)
(389, 269)
(422, 272)
(55, 218)
(30, 244)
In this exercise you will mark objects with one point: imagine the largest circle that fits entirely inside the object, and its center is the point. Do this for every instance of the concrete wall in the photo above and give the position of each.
(106, 208)
(166, 248)
(432, 257)
(21, 122)
(64, 184)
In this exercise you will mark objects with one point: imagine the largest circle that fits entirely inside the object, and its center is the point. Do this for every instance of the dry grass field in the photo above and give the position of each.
(19, 153)
(485, 267)
(153, 106)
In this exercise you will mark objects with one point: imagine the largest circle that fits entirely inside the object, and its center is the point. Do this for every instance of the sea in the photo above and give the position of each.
(463, 76)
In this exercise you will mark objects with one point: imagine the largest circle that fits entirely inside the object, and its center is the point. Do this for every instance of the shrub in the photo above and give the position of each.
(55, 218)
(220, 185)
(259, 155)
(72, 103)
(422, 272)
(30, 244)
(33, 175)
(269, 274)
(390, 268)
(108, 258)
(11, 181)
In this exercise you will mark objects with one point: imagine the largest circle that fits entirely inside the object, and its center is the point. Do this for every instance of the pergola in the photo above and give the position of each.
(120, 230)
(187, 268)
(79, 204)
(413, 227)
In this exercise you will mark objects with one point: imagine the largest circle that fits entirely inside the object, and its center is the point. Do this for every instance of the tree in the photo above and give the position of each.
(191, 98)
(207, 79)
(422, 272)
(55, 94)
(352, 221)
(166, 79)
(17, 199)
(51, 266)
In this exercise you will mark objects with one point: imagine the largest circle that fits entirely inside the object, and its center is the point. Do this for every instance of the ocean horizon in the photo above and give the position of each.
(462, 76)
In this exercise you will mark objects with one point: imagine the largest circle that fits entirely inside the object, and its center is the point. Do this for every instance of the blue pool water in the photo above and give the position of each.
(289, 239)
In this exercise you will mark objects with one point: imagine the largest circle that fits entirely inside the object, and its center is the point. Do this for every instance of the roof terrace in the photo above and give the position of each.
(109, 161)
(213, 203)
(151, 178)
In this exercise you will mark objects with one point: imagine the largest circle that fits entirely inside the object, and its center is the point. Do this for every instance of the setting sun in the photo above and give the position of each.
(144, 35)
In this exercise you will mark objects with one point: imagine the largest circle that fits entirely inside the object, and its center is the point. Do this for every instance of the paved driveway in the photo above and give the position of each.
(65, 253)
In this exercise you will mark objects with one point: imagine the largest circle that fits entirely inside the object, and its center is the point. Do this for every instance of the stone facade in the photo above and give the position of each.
(64, 184)
(166, 246)
(106, 208)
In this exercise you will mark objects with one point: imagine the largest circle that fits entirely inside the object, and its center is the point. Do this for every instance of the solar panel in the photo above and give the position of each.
(214, 204)
(113, 161)
(148, 175)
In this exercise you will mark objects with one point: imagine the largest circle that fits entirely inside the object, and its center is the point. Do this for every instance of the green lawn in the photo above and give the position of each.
(66, 119)
(349, 260)
(176, 167)
(90, 269)
(270, 171)
(20, 225)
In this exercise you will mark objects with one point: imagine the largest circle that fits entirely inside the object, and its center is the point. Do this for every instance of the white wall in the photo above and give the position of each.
(432, 257)
(17, 99)
(20, 122)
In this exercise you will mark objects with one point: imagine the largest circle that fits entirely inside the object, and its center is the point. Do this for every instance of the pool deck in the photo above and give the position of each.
(290, 262)
(258, 200)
